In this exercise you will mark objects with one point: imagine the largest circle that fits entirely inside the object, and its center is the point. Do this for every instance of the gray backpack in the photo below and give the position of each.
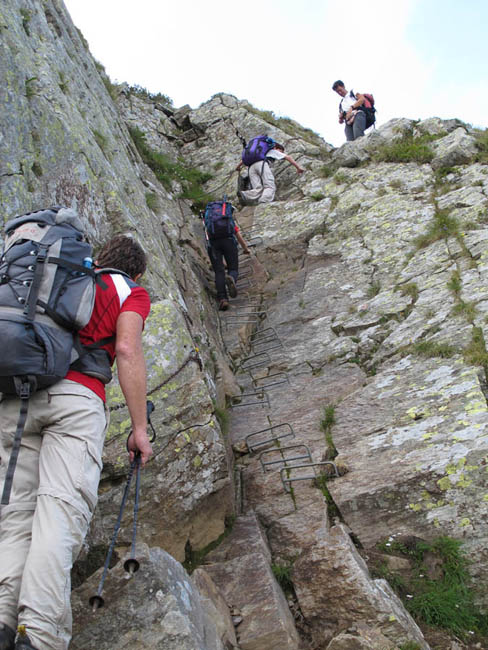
(47, 293)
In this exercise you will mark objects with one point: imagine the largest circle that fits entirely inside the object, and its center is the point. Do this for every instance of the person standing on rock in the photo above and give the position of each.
(350, 111)
(54, 488)
(261, 178)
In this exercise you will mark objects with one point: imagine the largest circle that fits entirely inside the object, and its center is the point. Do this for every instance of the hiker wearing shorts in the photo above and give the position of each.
(350, 111)
(226, 248)
(55, 484)
(261, 178)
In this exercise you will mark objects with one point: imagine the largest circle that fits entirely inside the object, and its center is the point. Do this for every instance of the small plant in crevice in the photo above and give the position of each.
(222, 415)
(326, 171)
(466, 309)
(334, 200)
(63, 84)
(152, 201)
(440, 174)
(482, 146)
(167, 171)
(143, 93)
(317, 196)
(442, 226)
(282, 573)
(432, 349)
(332, 509)
(110, 87)
(30, 87)
(373, 290)
(410, 289)
(406, 149)
(340, 178)
(37, 169)
(475, 353)
(437, 590)
(409, 645)
(326, 423)
(454, 283)
(100, 139)
(26, 18)
(194, 558)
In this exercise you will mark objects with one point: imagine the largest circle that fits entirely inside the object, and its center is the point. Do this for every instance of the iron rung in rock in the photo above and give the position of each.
(271, 437)
(286, 481)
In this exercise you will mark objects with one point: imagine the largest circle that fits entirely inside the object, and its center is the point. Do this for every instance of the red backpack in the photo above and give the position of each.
(369, 109)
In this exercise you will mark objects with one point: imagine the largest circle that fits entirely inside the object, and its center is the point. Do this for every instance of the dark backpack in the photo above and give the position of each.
(369, 109)
(219, 222)
(256, 149)
(47, 293)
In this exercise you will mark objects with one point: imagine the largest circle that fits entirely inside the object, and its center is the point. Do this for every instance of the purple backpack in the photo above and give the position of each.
(256, 149)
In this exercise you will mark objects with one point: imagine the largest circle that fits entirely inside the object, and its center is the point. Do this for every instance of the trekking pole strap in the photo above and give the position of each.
(9, 477)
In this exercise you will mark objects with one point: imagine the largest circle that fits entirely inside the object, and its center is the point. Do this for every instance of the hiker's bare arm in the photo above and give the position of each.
(239, 166)
(132, 377)
(242, 242)
(359, 101)
(299, 169)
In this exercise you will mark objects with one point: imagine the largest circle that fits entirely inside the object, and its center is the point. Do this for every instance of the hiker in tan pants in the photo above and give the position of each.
(55, 484)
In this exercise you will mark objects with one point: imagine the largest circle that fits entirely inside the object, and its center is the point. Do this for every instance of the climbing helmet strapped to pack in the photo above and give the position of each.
(47, 294)
(219, 220)
(256, 149)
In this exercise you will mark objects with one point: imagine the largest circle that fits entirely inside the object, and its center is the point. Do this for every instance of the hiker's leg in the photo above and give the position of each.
(16, 517)
(349, 132)
(359, 124)
(217, 259)
(231, 255)
(70, 462)
(269, 185)
(255, 174)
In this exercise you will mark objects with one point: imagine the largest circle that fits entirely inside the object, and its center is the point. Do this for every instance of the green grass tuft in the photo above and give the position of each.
(282, 573)
(166, 171)
(406, 149)
(445, 601)
(442, 226)
(317, 196)
(152, 201)
(432, 349)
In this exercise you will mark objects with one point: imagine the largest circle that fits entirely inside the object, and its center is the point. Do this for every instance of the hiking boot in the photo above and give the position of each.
(7, 637)
(223, 305)
(231, 286)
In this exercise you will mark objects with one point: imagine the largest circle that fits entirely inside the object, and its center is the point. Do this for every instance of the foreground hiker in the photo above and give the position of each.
(54, 489)
(355, 110)
(259, 155)
(222, 234)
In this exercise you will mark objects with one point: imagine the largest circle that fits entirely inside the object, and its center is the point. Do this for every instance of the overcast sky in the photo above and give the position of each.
(419, 58)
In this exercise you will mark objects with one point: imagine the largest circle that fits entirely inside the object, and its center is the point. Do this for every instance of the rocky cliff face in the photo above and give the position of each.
(366, 299)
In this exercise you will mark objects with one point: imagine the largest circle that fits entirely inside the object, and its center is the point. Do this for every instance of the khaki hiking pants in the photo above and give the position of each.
(53, 497)
(262, 183)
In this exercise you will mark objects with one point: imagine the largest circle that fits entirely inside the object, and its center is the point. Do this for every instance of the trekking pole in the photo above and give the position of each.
(131, 565)
(97, 601)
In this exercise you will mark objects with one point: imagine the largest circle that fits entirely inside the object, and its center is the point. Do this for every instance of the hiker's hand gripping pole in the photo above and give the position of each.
(142, 446)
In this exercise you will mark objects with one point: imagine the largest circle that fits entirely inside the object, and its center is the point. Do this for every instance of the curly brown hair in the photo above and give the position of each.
(123, 253)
